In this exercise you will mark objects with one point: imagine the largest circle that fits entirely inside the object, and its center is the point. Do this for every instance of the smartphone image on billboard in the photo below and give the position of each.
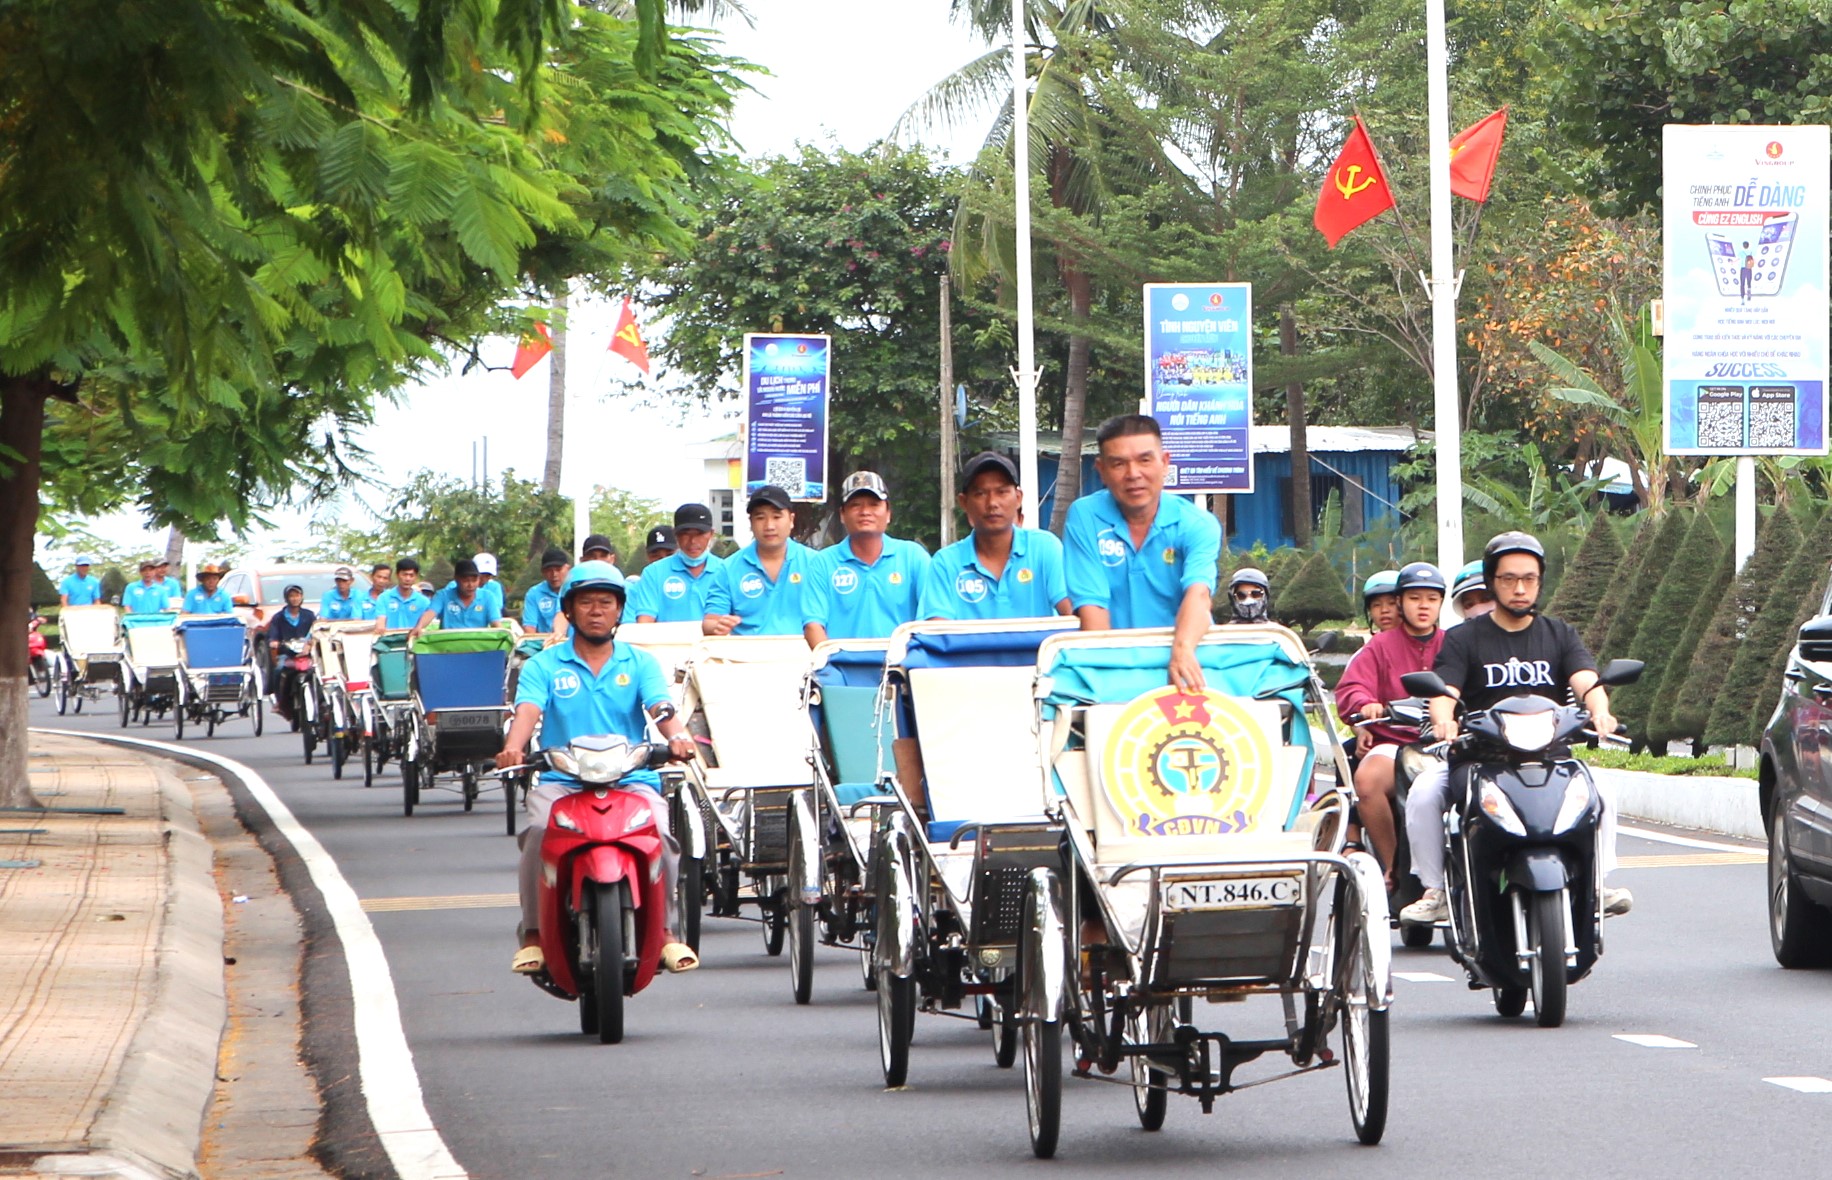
(1726, 264)
(1773, 245)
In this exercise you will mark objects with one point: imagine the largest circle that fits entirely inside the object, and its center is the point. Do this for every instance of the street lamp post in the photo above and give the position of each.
(1443, 285)
(1026, 372)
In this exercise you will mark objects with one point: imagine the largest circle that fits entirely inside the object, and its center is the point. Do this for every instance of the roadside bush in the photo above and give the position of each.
(1753, 684)
(1314, 595)
(1615, 592)
(1681, 576)
(1735, 613)
(1643, 583)
(1588, 575)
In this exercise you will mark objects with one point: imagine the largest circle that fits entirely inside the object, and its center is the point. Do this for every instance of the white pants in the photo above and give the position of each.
(1429, 799)
(541, 798)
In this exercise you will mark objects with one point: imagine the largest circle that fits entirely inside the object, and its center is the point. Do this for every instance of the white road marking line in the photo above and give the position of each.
(1803, 1085)
(1421, 977)
(391, 1084)
(1683, 841)
(1654, 1041)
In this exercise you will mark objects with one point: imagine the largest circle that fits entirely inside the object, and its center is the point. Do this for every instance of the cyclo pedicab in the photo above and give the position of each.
(340, 722)
(91, 657)
(218, 678)
(673, 645)
(952, 856)
(742, 700)
(388, 720)
(151, 680)
(1196, 870)
(460, 710)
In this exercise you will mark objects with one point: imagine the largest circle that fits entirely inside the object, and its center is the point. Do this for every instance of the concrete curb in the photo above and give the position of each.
(151, 1124)
(1707, 803)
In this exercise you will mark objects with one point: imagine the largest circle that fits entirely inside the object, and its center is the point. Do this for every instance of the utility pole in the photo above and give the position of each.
(1026, 372)
(1443, 286)
(949, 461)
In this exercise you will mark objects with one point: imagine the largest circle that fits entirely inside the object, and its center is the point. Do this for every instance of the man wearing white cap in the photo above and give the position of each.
(870, 583)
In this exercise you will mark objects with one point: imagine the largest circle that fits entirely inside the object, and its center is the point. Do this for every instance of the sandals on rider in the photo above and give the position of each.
(678, 957)
(529, 961)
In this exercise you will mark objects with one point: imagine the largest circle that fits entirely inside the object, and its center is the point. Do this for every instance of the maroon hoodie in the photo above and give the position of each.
(1373, 675)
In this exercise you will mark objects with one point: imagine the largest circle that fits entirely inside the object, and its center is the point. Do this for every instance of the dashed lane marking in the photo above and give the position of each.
(1803, 1085)
(1654, 1041)
(1421, 977)
(462, 901)
(1698, 860)
(1684, 841)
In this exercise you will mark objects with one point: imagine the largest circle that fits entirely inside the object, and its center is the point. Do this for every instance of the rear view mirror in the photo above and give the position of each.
(1424, 684)
(242, 600)
(1816, 641)
(1325, 642)
(1619, 672)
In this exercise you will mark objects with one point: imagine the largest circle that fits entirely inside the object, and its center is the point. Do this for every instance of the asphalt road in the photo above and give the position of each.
(722, 1075)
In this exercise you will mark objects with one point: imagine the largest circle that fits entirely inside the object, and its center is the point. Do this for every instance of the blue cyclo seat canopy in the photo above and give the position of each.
(1087, 675)
(864, 667)
(460, 680)
(217, 642)
(977, 649)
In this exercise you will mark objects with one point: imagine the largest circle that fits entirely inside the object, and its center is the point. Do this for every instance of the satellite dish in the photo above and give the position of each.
(960, 407)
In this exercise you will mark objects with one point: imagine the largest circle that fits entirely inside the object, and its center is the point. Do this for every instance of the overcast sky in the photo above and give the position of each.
(840, 71)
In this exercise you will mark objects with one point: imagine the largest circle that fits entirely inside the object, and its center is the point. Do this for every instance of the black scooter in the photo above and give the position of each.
(1526, 907)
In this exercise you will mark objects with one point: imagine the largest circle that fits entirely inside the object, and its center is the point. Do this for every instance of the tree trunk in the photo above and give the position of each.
(22, 419)
(1300, 443)
(556, 396)
(1074, 393)
(174, 550)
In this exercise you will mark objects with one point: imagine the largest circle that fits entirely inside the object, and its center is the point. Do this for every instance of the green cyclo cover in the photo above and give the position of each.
(468, 639)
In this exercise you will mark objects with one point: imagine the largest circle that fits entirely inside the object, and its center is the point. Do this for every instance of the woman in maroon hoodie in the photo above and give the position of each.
(1372, 679)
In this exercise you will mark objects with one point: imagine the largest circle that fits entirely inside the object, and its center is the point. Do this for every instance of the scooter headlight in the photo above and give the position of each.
(563, 761)
(1576, 805)
(562, 820)
(1528, 732)
(1495, 805)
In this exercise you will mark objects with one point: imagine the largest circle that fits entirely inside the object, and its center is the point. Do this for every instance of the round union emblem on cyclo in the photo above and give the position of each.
(1188, 764)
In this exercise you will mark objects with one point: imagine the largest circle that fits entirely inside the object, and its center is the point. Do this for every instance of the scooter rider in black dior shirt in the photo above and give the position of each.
(1513, 651)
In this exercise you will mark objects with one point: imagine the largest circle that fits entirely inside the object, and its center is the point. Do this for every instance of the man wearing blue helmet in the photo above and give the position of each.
(592, 686)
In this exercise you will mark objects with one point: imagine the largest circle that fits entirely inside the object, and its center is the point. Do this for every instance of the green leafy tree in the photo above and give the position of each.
(1723, 636)
(1753, 684)
(626, 519)
(440, 517)
(1588, 575)
(1634, 417)
(1315, 595)
(1677, 580)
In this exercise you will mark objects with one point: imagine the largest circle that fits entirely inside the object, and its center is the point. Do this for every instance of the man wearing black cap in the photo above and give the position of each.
(598, 547)
(673, 587)
(463, 603)
(999, 570)
(541, 604)
(868, 584)
(759, 589)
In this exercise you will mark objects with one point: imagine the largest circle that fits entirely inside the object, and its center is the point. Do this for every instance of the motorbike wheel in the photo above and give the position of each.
(334, 750)
(607, 962)
(1546, 917)
(41, 676)
(1510, 1001)
(512, 796)
(1150, 1096)
(775, 924)
(410, 786)
(1416, 935)
(1364, 1049)
(1799, 929)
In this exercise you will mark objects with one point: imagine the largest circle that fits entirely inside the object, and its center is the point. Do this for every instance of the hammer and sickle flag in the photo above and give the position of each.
(627, 341)
(1355, 190)
(530, 350)
(1473, 155)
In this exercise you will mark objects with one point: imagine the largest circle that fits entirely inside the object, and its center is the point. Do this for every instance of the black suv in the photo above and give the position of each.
(1796, 793)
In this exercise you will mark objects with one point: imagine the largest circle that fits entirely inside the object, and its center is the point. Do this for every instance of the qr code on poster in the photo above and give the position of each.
(1720, 420)
(789, 473)
(1170, 478)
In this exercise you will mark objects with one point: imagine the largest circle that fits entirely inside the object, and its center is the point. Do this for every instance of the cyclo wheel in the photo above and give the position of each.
(410, 785)
(606, 910)
(896, 995)
(775, 921)
(60, 688)
(121, 700)
(369, 763)
(1547, 914)
(1040, 1036)
(800, 921)
(468, 777)
(1364, 1041)
(1150, 1095)
(334, 750)
(258, 710)
(1004, 1037)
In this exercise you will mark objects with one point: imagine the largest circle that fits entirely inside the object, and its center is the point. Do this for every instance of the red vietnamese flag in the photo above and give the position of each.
(627, 341)
(529, 352)
(1473, 155)
(1355, 190)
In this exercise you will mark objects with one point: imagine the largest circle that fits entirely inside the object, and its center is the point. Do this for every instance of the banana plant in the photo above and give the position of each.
(1633, 412)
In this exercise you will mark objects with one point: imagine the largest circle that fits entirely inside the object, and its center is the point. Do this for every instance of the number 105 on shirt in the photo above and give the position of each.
(1233, 894)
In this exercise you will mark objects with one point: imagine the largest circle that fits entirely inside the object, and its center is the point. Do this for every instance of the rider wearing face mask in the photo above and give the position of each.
(1250, 596)
(673, 590)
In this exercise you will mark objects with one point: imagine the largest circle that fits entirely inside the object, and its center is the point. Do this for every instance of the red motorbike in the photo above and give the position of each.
(603, 896)
(38, 657)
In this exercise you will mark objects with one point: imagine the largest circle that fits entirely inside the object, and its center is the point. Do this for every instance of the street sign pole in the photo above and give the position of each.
(1443, 286)
(1026, 373)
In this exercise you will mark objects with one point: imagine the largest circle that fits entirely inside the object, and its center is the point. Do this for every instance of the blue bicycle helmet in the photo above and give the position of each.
(592, 575)
(1384, 582)
(1420, 575)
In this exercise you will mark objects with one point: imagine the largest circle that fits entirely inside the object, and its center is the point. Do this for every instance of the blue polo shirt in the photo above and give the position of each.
(174, 588)
(763, 607)
(490, 589)
(354, 605)
(574, 702)
(540, 607)
(669, 593)
(142, 599)
(1140, 587)
(854, 600)
(451, 613)
(959, 587)
(398, 613)
(208, 602)
(81, 591)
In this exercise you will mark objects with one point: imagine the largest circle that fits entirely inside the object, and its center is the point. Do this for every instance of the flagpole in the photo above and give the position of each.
(1444, 284)
(573, 461)
(1026, 372)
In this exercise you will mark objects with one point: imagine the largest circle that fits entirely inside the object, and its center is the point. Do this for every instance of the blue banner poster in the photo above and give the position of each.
(1744, 289)
(786, 382)
(1199, 382)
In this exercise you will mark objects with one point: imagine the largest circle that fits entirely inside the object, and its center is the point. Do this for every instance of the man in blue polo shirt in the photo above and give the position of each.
(81, 588)
(208, 597)
(461, 604)
(1136, 557)
(403, 605)
(148, 595)
(592, 687)
(674, 589)
(759, 589)
(342, 601)
(541, 603)
(868, 584)
(999, 570)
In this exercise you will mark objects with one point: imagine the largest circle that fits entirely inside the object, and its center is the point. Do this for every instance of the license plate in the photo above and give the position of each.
(1236, 894)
